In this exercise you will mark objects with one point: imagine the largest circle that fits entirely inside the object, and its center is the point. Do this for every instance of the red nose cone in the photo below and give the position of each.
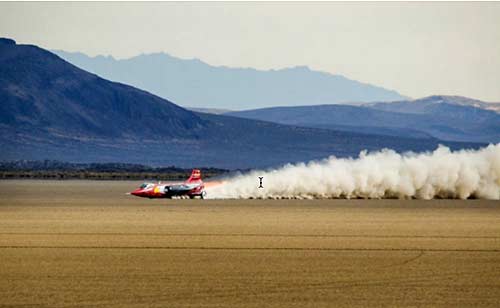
(137, 192)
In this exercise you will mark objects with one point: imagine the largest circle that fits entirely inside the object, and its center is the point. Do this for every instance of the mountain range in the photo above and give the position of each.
(193, 83)
(294, 95)
(442, 117)
(51, 109)
(424, 105)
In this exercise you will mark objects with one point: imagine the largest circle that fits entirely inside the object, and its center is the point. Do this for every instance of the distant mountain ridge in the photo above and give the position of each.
(209, 110)
(50, 109)
(442, 117)
(420, 105)
(193, 83)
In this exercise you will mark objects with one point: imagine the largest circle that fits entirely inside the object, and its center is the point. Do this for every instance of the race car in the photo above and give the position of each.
(192, 187)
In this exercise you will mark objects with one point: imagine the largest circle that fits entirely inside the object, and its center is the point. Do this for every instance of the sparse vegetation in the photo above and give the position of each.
(51, 169)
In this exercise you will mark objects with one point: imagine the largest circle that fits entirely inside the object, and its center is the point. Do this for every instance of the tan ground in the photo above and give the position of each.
(80, 243)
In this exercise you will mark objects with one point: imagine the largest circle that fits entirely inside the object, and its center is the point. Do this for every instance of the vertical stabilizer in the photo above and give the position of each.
(195, 176)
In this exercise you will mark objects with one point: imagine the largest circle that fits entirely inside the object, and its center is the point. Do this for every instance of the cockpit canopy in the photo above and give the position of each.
(145, 185)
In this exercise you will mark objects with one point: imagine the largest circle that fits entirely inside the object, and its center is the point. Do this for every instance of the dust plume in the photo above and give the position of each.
(384, 174)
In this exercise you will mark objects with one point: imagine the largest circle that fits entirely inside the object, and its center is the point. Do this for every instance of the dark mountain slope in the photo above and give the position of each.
(39, 90)
(52, 110)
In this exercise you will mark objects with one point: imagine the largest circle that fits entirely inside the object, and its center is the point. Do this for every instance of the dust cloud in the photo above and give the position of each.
(385, 174)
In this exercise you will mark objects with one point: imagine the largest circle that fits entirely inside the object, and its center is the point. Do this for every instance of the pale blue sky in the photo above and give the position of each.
(418, 49)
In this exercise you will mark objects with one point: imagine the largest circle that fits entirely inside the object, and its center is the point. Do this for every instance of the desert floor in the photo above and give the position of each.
(86, 243)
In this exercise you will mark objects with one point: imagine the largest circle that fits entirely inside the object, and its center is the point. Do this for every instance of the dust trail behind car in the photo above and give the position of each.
(385, 174)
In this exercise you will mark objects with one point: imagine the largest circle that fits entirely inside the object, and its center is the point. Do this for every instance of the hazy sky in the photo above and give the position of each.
(417, 49)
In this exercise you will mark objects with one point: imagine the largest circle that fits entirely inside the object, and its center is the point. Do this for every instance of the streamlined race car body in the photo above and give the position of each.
(192, 187)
